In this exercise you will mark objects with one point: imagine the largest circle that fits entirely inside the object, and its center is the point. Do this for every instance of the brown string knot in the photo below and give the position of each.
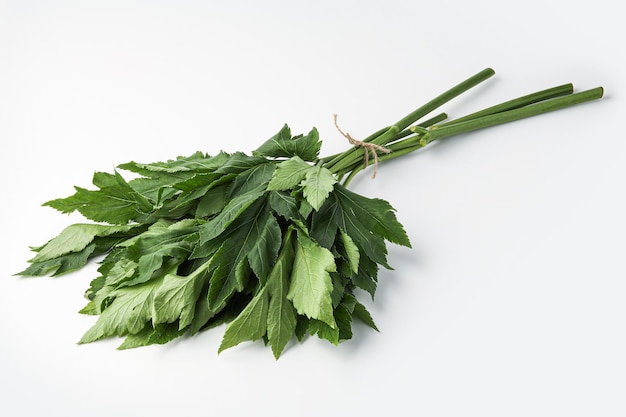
(367, 147)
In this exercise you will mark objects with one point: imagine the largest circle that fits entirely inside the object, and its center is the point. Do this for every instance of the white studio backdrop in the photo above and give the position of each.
(510, 302)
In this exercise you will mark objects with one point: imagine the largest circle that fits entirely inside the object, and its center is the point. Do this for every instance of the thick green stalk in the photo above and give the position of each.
(520, 108)
(348, 158)
(561, 90)
(516, 114)
(406, 132)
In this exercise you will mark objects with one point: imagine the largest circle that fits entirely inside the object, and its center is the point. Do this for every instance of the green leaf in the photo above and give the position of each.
(250, 324)
(213, 202)
(311, 284)
(305, 209)
(284, 205)
(158, 189)
(202, 313)
(302, 327)
(123, 270)
(281, 318)
(152, 247)
(251, 237)
(323, 224)
(317, 185)
(185, 203)
(59, 265)
(251, 179)
(176, 298)
(75, 238)
(351, 251)
(157, 335)
(90, 309)
(324, 331)
(362, 314)
(116, 202)
(339, 288)
(367, 277)
(239, 162)
(128, 313)
(284, 145)
(343, 318)
(229, 214)
(369, 244)
(265, 247)
(95, 286)
(289, 174)
(196, 162)
(377, 215)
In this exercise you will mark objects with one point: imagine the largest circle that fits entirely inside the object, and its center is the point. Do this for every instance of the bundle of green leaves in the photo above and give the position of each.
(273, 244)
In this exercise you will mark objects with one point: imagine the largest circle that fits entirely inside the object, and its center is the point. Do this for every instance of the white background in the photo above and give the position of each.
(511, 302)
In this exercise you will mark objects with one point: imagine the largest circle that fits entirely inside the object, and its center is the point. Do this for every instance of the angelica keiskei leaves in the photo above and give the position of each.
(283, 144)
(271, 244)
(311, 284)
(175, 299)
(317, 185)
(129, 310)
(116, 202)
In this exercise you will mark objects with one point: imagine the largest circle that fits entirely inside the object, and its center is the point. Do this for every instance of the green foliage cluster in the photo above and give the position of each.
(272, 244)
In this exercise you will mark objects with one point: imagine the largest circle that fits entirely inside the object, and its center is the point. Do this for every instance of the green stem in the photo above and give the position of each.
(516, 114)
(527, 106)
(351, 156)
(561, 90)
(406, 132)
(427, 123)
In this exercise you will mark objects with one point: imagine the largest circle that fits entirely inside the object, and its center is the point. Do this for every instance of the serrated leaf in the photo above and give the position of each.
(95, 285)
(343, 318)
(196, 181)
(116, 202)
(376, 214)
(351, 251)
(264, 250)
(151, 248)
(250, 324)
(284, 145)
(244, 241)
(61, 264)
(176, 298)
(289, 174)
(123, 270)
(311, 284)
(362, 314)
(157, 335)
(317, 185)
(239, 162)
(256, 177)
(302, 327)
(229, 214)
(324, 331)
(213, 202)
(158, 189)
(284, 205)
(128, 313)
(196, 162)
(281, 318)
(305, 209)
(323, 224)
(202, 313)
(75, 238)
(370, 244)
(367, 276)
(339, 288)
(90, 309)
